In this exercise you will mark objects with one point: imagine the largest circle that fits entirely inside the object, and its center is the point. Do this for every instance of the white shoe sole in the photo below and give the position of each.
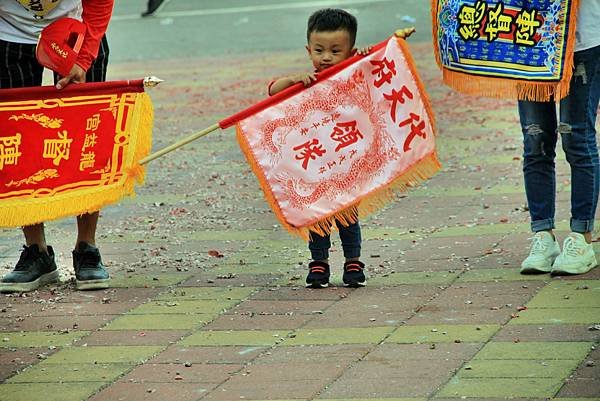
(567, 272)
(101, 284)
(44, 279)
(356, 285)
(317, 285)
(535, 270)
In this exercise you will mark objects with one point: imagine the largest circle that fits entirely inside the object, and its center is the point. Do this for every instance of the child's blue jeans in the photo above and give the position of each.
(578, 134)
(351, 240)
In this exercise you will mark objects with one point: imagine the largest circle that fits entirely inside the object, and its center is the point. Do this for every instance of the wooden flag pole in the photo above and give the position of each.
(180, 143)
(400, 33)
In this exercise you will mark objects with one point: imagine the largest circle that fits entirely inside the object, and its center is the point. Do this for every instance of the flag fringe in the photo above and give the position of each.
(424, 169)
(77, 202)
(503, 88)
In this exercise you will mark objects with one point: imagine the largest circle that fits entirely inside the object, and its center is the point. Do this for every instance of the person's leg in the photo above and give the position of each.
(578, 134)
(318, 268)
(319, 247)
(350, 236)
(538, 123)
(87, 223)
(153, 7)
(36, 267)
(86, 228)
(20, 69)
(35, 235)
(97, 72)
(18, 66)
(351, 240)
(90, 272)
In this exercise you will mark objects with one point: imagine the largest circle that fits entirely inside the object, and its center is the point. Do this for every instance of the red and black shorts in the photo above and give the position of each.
(19, 67)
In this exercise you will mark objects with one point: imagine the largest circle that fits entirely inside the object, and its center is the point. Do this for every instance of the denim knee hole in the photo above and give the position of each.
(564, 128)
(533, 139)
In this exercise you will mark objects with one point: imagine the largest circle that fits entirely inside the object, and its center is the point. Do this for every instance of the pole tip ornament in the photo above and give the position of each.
(404, 33)
(152, 81)
(59, 44)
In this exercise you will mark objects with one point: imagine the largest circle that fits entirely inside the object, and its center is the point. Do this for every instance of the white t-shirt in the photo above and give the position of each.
(21, 21)
(587, 34)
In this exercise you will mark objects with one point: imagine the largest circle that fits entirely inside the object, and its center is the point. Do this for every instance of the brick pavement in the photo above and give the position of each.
(445, 316)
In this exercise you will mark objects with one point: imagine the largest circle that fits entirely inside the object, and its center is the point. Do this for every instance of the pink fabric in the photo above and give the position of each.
(325, 148)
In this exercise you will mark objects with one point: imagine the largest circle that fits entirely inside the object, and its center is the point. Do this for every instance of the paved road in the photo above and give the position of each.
(192, 28)
(207, 300)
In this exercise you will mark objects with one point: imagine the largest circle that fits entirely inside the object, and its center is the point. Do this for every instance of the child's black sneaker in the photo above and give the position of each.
(318, 275)
(90, 273)
(34, 269)
(354, 275)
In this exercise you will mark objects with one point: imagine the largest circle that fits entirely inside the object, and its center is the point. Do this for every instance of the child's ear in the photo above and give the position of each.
(307, 49)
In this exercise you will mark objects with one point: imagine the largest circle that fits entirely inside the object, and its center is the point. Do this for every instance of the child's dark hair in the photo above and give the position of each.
(331, 20)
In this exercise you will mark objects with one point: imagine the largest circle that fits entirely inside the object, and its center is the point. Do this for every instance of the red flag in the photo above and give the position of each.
(69, 152)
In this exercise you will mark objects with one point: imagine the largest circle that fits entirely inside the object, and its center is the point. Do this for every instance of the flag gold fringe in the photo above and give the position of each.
(504, 88)
(26, 212)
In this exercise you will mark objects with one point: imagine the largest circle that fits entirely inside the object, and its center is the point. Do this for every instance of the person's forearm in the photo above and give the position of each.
(96, 15)
(280, 84)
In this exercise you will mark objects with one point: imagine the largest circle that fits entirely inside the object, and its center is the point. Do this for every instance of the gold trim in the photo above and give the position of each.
(38, 177)
(39, 118)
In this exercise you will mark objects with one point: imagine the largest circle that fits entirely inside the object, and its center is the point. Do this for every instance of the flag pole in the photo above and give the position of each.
(227, 122)
(180, 143)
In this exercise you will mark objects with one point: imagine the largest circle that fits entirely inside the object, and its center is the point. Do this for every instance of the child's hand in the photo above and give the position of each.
(405, 33)
(306, 78)
(363, 51)
(280, 84)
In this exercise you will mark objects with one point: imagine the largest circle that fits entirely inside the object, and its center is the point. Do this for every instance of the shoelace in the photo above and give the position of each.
(538, 245)
(571, 247)
(26, 256)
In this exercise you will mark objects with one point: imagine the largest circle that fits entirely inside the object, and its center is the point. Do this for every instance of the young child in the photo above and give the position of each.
(331, 35)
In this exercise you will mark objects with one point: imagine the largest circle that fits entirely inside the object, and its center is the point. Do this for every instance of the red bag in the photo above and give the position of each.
(59, 45)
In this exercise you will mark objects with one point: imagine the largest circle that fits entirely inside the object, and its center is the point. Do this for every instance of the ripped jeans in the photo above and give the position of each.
(578, 135)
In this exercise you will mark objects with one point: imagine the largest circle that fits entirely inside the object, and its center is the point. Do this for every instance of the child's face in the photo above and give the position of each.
(328, 48)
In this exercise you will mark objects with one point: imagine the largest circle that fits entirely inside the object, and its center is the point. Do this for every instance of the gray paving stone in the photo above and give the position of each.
(253, 321)
(442, 351)
(153, 391)
(210, 355)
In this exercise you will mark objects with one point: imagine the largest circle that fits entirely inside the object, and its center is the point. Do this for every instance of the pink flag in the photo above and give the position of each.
(347, 143)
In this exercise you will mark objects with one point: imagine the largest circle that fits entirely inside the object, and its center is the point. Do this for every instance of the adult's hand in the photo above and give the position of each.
(77, 75)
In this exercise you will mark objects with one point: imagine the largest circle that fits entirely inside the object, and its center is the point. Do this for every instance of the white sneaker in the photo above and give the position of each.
(577, 257)
(544, 249)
